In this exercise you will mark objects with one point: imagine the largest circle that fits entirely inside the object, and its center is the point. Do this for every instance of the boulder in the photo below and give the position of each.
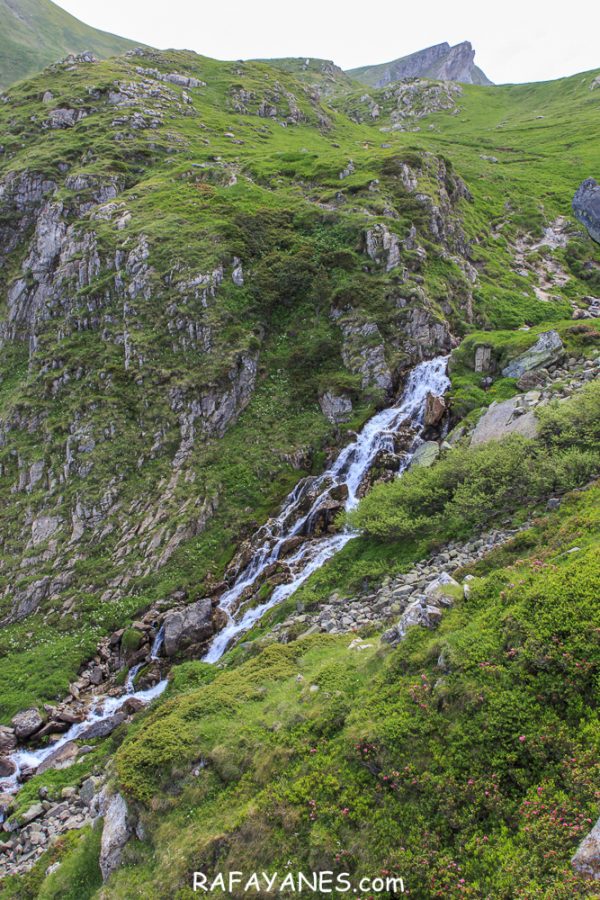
(115, 834)
(530, 380)
(61, 758)
(103, 727)
(7, 767)
(501, 419)
(34, 812)
(547, 349)
(443, 589)
(586, 206)
(8, 740)
(187, 628)
(425, 455)
(27, 723)
(435, 407)
(335, 407)
(586, 861)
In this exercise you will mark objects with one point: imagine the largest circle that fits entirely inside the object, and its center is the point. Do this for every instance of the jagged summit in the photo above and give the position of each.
(441, 62)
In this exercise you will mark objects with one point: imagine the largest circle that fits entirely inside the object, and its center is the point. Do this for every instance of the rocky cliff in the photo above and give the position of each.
(440, 62)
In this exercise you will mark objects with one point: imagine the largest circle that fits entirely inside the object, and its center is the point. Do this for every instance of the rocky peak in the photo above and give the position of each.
(440, 62)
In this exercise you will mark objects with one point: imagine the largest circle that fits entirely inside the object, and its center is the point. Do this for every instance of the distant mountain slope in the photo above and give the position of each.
(441, 62)
(34, 33)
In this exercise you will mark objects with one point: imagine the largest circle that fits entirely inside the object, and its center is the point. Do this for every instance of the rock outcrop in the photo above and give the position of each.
(189, 628)
(547, 349)
(586, 206)
(440, 62)
(115, 834)
(512, 416)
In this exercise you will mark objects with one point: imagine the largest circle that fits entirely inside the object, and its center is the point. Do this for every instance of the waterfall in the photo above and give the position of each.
(348, 470)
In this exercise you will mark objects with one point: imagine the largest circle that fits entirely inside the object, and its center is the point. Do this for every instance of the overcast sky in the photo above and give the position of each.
(515, 40)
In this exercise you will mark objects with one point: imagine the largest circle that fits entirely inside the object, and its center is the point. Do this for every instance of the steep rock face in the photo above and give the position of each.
(441, 62)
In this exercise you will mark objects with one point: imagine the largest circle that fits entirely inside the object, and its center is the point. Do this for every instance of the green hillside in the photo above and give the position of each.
(195, 257)
(34, 33)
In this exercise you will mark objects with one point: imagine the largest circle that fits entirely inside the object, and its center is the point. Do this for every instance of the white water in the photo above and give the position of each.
(102, 708)
(349, 470)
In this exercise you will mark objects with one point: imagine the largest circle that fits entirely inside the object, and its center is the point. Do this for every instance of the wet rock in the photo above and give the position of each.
(132, 705)
(7, 767)
(27, 723)
(103, 728)
(187, 628)
(62, 758)
(547, 349)
(8, 740)
(6, 803)
(435, 407)
(586, 206)
(587, 857)
(115, 834)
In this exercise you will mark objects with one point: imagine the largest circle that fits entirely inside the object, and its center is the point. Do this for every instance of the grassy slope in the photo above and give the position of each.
(255, 768)
(34, 33)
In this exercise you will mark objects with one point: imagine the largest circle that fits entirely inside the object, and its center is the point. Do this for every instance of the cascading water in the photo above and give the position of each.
(102, 708)
(348, 471)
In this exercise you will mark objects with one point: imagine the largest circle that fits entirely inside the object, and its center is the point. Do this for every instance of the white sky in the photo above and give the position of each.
(515, 40)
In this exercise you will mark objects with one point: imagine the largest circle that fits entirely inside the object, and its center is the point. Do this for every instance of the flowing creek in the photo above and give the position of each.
(347, 472)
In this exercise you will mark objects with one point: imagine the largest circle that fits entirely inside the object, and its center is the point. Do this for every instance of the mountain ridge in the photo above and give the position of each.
(215, 277)
(438, 62)
(35, 33)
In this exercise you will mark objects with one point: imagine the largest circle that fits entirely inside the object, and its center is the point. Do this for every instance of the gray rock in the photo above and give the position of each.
(586, 206)
(190, 627)
(335, 407)
(43, 528)
(547, 349)
(483, 359)
(34, 812)
(7, 767)
(502, 419)
(115, 834)
(425, 455)
(586, 860)
(102, 728)
(61, 758)
(8, 740)
(27, 723)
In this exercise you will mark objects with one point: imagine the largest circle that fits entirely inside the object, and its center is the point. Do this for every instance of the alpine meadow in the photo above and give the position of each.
(299, 473)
